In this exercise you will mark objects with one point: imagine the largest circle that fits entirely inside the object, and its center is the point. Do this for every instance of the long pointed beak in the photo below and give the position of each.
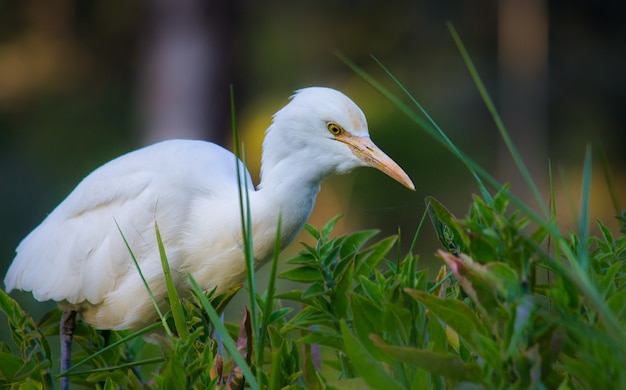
(368, 152)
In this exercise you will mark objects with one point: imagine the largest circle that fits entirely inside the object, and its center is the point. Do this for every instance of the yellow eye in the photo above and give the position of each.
(334, 128)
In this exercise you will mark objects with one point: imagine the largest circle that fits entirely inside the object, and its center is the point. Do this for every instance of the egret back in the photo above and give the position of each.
(77, 255)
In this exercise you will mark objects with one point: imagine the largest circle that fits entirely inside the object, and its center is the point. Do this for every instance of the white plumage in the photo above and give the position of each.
(77, 255)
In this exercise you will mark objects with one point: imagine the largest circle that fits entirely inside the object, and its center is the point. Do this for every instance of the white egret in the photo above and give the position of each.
(78, 257)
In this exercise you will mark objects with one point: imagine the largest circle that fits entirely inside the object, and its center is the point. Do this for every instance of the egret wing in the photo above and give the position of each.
(78, 254)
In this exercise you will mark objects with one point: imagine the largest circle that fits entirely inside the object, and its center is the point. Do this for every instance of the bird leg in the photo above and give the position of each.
(68, 323)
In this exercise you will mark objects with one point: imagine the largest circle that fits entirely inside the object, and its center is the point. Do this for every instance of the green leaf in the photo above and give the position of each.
(278, 314)
(296, 296)
(489, 350)
(177, 310)
(31, 384)
(367, 319)
(310, 316)
(506, 280)
(339, 294)
(436, 334)
(501, 200)
(9, 366)
(352, 243)
(451, 236)
(523, 320)
(607, 281)
(372, 290)
(365, 364)
(329, 339)
(617, 304)
(372, 256)
(108, 384)
(312, 231)
(454, 313)
(229, 343)
(622, 221)
(438, 363)
(347, 384)
(32, 344)
(314, 290)
(303, 274)
(482, 250)
(304, 259)
(328, 228)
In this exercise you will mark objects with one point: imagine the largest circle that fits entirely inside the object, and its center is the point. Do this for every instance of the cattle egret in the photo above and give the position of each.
(78, 257)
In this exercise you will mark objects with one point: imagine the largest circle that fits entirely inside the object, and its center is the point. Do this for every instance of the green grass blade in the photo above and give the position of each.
(583, 226)
(269, 299)
(370, 369)
(246, 219)
(554, 213)
(568, 193)
(443, 137)
(229, 343)
(123, 366)
(176, 307)
(553, 210)
(145, 283)
(498, 121)
(123, 340)
(608, 176)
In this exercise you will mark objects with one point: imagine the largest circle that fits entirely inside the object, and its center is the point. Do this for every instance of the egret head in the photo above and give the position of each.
(329, 131)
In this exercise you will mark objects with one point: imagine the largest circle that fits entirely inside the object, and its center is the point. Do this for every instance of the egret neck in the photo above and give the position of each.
(287, 190)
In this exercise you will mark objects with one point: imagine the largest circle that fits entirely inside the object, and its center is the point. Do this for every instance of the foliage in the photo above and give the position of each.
(514, 304)
(497, 315)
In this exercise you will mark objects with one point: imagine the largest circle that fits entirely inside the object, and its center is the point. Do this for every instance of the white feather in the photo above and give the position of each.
(77, 255)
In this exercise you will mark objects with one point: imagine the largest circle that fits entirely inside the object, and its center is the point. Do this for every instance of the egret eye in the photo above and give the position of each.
(334, 128)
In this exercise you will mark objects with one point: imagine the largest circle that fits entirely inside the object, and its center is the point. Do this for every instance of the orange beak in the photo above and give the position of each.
(368, 152)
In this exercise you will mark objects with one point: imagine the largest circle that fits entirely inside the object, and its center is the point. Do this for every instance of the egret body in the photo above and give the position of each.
(78, 257)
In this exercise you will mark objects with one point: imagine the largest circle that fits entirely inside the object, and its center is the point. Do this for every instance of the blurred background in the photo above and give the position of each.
(83, 81)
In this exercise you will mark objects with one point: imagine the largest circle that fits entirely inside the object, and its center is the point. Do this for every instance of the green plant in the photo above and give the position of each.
(516, 303)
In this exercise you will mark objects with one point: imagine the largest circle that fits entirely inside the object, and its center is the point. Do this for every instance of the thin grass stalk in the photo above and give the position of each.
(122, 366)
(269, 299)
(568, 194)
(519, 162)
(249, 252)
(444, 138)
(583, 225)
(436, 286)
(172, 293)
(553, 210)
(229, 343)
(275, 372)
(608, 176)
(398, 247)
(121, 341)
(145, 283)
(246, 219)
(419, 229)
